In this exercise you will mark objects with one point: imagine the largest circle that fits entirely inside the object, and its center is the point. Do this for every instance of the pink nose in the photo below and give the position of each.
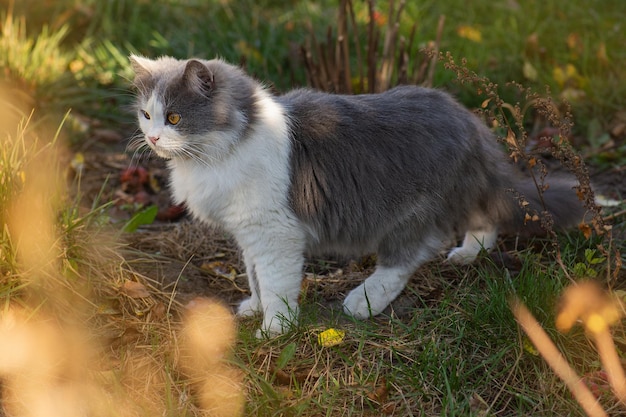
(153, 139)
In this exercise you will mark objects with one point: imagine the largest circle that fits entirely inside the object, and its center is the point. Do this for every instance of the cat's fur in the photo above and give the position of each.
(400, 174)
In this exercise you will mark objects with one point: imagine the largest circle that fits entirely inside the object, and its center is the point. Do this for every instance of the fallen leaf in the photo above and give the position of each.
(172, 213)
(220, 269)
(135, 289)
(331, 337)
(134, 178)
(380, 393)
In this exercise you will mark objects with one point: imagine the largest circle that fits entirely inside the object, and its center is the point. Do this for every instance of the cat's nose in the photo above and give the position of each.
(153, 139)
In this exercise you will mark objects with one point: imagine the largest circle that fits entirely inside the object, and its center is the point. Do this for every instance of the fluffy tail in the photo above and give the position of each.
(559, 200)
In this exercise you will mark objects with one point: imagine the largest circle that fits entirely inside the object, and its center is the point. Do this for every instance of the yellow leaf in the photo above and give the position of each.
(220, 269)
(470, 32)
(529, 71)
(529, 347)
(568, 76)
(331, 337)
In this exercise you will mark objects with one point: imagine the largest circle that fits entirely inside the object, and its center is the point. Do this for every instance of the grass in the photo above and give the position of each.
(460, 354)
(455, 350)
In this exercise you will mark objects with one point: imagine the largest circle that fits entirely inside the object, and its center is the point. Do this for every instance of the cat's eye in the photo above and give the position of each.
(145, 114)
(173, 118)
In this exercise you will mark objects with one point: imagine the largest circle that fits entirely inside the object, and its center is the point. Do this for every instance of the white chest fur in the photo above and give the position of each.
(249, 184)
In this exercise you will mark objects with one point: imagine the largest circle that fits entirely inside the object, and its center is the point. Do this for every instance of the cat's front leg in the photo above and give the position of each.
(251, 305)
(274, 256)
(279, 277)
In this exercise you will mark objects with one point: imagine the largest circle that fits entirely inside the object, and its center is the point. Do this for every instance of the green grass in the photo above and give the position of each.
(461, 355)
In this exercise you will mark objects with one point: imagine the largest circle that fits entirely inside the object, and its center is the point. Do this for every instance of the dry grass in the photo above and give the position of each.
(81, 332)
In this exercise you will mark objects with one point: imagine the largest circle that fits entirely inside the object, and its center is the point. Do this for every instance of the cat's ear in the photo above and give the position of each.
(198, 76)
(142, 66)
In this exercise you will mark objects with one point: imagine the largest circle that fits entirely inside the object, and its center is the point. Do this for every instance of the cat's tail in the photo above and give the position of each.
(559, 199)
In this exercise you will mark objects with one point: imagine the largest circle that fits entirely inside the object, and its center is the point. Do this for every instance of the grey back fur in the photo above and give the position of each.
(404, 162)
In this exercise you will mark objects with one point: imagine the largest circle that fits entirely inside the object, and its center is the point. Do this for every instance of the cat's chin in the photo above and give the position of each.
(164, 155)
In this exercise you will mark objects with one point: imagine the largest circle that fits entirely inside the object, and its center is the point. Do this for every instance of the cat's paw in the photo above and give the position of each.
(362, 304)
(248, 307)
(462, 256)
(277, 324)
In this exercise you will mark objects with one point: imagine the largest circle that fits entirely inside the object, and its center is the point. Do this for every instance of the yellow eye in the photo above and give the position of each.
(173, 118)
(145, 114)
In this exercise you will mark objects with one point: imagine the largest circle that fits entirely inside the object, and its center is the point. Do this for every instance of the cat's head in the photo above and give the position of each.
(192, 109)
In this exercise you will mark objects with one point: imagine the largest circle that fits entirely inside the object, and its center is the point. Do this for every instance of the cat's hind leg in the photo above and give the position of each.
(377, 291)
(480, 236)
(398, 258)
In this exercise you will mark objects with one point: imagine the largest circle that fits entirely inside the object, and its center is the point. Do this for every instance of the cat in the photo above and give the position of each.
(400, 174)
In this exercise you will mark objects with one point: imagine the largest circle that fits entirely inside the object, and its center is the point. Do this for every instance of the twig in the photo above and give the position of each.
(433, 62)
(357, 44)
(614, 216)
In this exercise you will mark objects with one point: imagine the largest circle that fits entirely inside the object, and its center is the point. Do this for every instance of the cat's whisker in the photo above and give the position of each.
(139, 148)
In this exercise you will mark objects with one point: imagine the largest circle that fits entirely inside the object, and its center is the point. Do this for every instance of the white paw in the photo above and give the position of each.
(462, 255)
(278, 318)
(248, 308)
(362, 304)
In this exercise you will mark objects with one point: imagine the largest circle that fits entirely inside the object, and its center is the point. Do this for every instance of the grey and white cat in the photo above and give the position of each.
(400, 174)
